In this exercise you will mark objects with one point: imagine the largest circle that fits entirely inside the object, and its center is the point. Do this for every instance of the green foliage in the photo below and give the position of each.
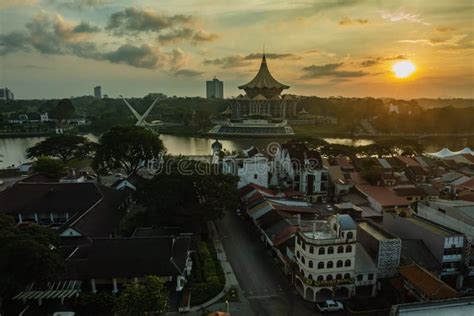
(51, 168)
(27, 254)
(190, 196)
(126, 147)
(144, 298)
(63, 146)
(98, 303)
(207, 277)
(63, 110)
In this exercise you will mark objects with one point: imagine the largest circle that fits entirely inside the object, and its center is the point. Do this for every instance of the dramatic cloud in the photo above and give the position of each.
(55, 36)
(330, 71)
(348, 21)
(402, 17)
(190, 73)
(133, 20)
(170, 29)
(377, 60)
(236, 61)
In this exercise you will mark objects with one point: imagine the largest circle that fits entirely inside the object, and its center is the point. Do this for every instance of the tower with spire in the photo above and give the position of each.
(263, 98)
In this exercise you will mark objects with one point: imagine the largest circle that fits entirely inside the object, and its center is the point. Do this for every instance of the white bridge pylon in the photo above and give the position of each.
(141, 118)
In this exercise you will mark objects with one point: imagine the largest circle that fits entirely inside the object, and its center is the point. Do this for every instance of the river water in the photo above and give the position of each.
(14, 149)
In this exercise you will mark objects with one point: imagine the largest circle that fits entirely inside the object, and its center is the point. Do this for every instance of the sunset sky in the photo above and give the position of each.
(54, 48)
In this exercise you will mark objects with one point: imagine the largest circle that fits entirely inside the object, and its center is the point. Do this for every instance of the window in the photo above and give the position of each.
(311, 249)
(310, 263)
(321, 251)
(371, 276)
(339, 264)
(303, 260)
(320, 278)
(360, 277)
(329, 277)
(321, 265)
(349, 248)
(338, 276)
(329, 265)
(347, 276)
(347, 263)
(350, 235)
(303, 246)
(310, 276)
(255, 176)
(330, 250)
(340, 249)
(298, 254)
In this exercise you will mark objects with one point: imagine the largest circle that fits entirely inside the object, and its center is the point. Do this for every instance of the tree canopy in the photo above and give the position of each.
(28, 254)
(188, 194)
(51, 168)
(63, 110)
(126, 148)
(146, 298)
(62, 146)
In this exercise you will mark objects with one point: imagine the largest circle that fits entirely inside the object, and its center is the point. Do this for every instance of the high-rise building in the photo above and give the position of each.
(98, 92)
(6, 94)
(215, 89)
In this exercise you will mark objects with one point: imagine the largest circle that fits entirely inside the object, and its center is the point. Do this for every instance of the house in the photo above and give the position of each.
(446, 245)
(108, 263)
(384, 248)
(417, 174)
(338, 181)
(329, 264)
(382, 198)
(424, 286)
(252, 169)
(301, 169)
(412, 193)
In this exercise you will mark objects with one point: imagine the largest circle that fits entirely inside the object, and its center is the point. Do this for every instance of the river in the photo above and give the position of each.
(14, 149)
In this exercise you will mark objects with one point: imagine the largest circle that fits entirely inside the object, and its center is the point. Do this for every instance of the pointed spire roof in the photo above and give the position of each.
(264, 79)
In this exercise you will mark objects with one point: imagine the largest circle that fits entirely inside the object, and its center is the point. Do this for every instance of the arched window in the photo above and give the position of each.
(298, 254)
(329, 277)
(321, 251)
(303, 246)
(329, 265)
(330, 250)
(339, 264)
(347, 276)
(310, 263)
(321, 265)
(350, 235)
(320, 278)
(348, 248)
(303, 260)
(338, 276)
(311, 249)
(310, 276)
(347, 263)
(340, 249)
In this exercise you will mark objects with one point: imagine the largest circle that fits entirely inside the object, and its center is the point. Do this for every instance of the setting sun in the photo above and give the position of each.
(403, 69)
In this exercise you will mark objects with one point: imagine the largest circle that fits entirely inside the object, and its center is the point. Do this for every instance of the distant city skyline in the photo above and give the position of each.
(56, 49)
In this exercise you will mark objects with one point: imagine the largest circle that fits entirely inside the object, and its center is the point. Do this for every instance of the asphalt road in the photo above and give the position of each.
(261, 280)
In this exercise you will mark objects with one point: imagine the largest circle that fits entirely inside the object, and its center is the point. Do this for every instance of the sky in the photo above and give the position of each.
(63, 48)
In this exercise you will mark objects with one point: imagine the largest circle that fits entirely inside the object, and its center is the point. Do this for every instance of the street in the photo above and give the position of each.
(261, 280)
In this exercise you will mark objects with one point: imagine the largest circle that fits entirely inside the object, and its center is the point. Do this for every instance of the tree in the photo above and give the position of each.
(126, 148)
(27, 254)
(63, 146)
(189, 194)
(63, 110)
(51, 168)
(147, 298)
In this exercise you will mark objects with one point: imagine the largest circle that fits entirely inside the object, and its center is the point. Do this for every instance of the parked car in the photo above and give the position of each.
(330, 306)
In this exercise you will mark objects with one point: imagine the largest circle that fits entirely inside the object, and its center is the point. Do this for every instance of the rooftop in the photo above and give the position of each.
(382, 195)
(375, 231)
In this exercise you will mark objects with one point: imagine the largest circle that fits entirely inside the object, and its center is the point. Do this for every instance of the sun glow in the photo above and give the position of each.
(403, 69)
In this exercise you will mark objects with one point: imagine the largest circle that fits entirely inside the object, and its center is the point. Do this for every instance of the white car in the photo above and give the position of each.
(330, 306)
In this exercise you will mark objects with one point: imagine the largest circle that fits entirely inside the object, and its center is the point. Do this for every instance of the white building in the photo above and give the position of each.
(326, 261)
(301, 169)
(253, 169)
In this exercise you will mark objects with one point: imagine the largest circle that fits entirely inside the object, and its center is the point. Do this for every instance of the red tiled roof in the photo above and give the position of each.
(382, 195)
(252, 186)
(407, 161)
(431, 287)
